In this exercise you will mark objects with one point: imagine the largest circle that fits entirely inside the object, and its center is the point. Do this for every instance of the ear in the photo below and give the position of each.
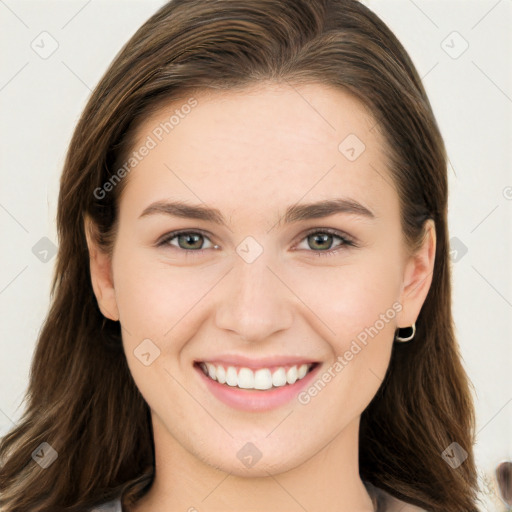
(417, 278)
(101, 273)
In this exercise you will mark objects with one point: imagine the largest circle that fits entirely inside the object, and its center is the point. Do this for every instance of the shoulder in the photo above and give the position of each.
(110, 506)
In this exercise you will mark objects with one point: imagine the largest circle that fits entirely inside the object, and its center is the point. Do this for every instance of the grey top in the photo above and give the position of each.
(110, 506)
(383, 502)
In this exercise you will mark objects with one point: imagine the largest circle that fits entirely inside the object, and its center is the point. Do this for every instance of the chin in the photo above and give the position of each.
(248, 461)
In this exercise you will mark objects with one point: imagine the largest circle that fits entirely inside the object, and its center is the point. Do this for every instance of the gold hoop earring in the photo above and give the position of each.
(408, 338)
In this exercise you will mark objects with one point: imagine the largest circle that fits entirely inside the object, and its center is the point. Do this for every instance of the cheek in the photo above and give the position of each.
(362, 291)
(156, 302)
(357, 305)
(153, 297)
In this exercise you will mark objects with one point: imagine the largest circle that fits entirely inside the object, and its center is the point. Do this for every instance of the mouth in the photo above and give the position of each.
(260, 379)
(256, 386)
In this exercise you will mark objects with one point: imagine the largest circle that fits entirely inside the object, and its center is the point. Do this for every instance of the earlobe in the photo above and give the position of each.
(101, 274)
(417, 278)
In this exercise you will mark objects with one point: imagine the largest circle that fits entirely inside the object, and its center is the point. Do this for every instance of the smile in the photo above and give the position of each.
(260, 379)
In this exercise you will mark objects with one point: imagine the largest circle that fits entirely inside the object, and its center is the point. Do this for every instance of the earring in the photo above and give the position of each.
(409, 338)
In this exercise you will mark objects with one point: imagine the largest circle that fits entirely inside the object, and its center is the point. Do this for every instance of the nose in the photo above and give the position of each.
(253, 300)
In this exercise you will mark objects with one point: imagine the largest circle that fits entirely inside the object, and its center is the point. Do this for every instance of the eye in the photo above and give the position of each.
(189, 241)
(320, 239)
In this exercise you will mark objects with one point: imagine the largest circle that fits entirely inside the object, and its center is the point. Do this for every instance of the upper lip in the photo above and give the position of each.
(256, 362)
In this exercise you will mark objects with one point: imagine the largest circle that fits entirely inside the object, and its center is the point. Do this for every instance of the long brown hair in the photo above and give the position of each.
(81, 397)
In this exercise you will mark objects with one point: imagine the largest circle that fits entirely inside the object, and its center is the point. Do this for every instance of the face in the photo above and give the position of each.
(265, 281)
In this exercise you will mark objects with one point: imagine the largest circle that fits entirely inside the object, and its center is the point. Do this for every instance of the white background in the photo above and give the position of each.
(471, 94)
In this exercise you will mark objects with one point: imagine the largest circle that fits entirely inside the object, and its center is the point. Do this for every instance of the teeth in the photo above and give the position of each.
(279, 378)
(221, 374)
(231, 376)
(291, 375)
(245, 378)
(262, 379)
(302, 371)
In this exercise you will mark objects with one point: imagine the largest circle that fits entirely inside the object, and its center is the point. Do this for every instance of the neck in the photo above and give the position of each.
(327, 481)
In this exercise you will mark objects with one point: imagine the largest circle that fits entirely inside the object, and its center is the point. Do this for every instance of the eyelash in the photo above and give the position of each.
(346, 241)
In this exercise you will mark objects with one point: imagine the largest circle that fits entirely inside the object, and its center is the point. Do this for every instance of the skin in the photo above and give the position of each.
(251, 154)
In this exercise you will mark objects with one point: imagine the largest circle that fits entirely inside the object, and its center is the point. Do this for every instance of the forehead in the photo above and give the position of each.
(239, 149)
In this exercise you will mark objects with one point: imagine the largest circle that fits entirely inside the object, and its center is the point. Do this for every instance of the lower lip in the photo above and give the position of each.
(253, 399)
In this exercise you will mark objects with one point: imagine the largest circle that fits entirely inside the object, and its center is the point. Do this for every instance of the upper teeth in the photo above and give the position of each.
(263, 378)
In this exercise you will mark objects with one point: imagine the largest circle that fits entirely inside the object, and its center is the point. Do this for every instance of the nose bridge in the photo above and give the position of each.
(253, 302)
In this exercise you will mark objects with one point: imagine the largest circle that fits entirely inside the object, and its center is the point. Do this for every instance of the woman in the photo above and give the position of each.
(204, 349)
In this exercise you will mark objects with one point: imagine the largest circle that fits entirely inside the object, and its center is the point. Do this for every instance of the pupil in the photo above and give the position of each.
(323, 238)
(190, 237)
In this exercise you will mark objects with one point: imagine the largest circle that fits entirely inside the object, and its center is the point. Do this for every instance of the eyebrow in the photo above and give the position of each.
(294, 213)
